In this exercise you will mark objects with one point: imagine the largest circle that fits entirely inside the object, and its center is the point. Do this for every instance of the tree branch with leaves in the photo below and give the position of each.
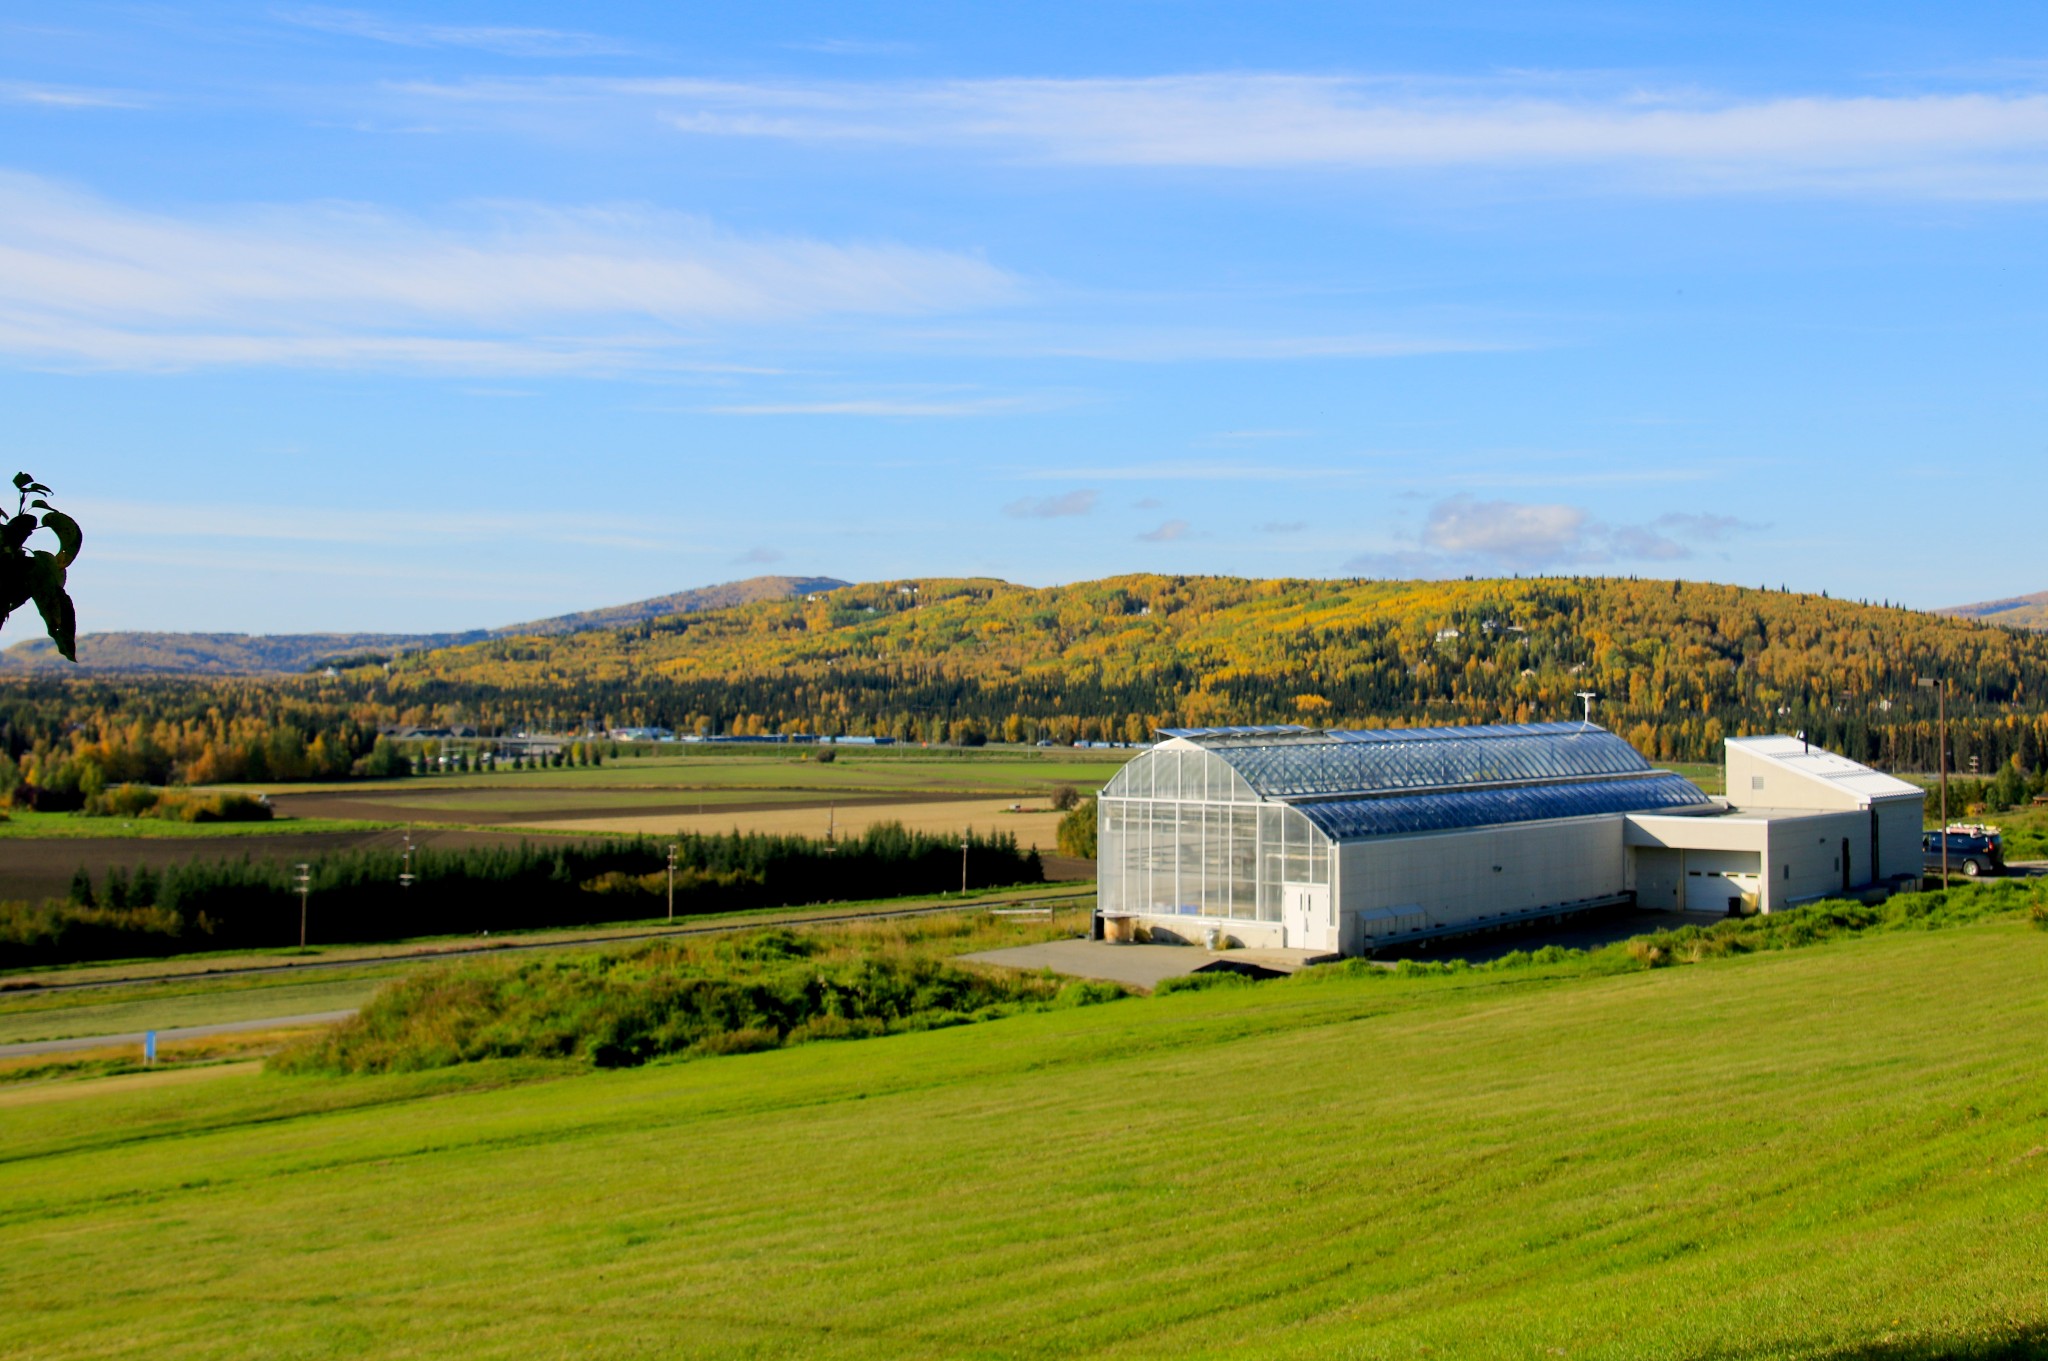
(36, 574)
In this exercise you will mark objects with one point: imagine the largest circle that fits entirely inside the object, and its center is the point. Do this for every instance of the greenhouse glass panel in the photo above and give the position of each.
(1215, 862)
(1426, 758)
(1352, 819)
(1109, 856)
(1244, 863)
(1294, 868)
(1134, 781)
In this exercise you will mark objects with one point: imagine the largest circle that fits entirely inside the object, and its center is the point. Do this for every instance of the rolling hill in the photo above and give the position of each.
(257, 654)
(2019, 611)
(1677, 665)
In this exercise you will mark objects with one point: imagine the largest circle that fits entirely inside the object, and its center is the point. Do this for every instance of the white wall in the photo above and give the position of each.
(1898, 834)
(1803, 858)
(1754, 782)
(1453, 877)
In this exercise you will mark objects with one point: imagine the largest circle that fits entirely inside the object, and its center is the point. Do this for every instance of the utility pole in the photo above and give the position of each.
(405, 877)
(963, 861)
(671, 881)
(1940, 689)
(304, 882)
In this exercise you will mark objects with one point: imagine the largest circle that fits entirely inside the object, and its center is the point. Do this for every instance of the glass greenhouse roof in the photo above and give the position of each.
(1353, 819)
(1306, 764)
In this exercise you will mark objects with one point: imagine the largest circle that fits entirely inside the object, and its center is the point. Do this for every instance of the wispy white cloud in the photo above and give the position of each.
(490, 288)
(884, 406)
(760, 557)
(1464, 534)
(504, 41)
(1054, 507)
(1189, 472)
(1509, 530)
(1949, 144)
(67, 96)
(1118, 341)
(1184, 344)
(1168, 532)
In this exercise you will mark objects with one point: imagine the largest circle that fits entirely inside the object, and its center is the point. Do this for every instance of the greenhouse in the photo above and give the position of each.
(1343, 840)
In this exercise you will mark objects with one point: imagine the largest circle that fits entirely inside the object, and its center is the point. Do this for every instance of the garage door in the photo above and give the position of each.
(1713, 877)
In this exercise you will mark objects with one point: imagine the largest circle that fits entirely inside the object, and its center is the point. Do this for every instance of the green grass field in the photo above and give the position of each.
(994, 770)
(552, 800)
(28, 825)
(1838, 1151)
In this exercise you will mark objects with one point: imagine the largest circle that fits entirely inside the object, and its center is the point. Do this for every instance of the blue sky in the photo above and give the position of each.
(336, 317)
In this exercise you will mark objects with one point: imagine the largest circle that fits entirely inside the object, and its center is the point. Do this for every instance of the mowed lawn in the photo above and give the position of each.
(1835, 1151)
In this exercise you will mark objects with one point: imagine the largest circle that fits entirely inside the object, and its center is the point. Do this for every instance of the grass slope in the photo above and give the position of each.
(1839, 1151)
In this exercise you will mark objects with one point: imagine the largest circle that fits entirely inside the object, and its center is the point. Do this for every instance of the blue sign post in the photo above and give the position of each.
(149, 1048)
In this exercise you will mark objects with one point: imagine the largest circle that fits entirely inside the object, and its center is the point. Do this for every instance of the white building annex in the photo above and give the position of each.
(1334, 840)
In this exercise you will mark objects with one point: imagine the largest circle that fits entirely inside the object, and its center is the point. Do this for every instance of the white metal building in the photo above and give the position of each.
(1353, 840)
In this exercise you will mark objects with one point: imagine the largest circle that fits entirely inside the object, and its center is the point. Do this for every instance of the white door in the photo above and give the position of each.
(1712, 878)
(1305, 914)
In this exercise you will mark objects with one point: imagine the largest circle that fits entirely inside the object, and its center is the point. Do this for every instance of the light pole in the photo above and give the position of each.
(405, 874)
(1588, 696)
(1940, 689)
(304, 882)
(963, 859)
(672, 881)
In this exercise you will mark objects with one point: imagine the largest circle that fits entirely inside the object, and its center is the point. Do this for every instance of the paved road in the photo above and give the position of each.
(30, 1048)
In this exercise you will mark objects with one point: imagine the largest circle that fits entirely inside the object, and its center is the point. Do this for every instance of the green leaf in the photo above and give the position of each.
(60, 618)
(69, 536)
(14, 583)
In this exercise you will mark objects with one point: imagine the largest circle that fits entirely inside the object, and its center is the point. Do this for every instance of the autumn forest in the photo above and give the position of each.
(1676, 667)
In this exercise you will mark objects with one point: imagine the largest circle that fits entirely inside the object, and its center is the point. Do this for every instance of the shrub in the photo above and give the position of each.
(1203, 982)
(1648, 952)
(1066, 797)
(175, 805)
(1076, 836)
(676, 998)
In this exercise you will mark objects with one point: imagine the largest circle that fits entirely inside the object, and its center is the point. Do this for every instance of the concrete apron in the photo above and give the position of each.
(1145, 966)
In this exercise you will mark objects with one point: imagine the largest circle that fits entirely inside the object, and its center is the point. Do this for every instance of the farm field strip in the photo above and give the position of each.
(813, 820)
(999, 772)
(33, 989)
(32, 826)
(1475, 1166)
(566, 800)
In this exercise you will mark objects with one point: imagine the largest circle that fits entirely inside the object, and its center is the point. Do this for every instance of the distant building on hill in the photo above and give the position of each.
(1346, 841)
